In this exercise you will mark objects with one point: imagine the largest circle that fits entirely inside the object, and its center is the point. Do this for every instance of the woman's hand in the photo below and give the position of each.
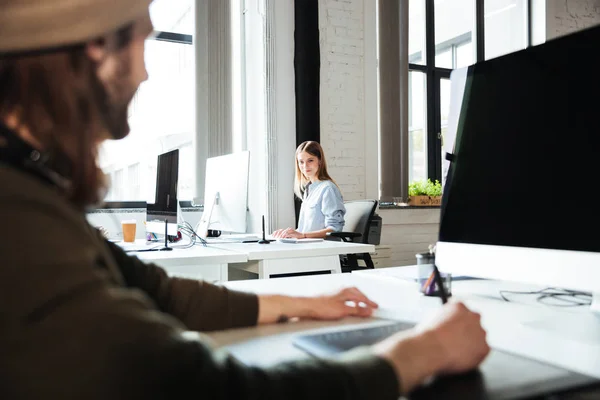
(346, 302)
(287, 233)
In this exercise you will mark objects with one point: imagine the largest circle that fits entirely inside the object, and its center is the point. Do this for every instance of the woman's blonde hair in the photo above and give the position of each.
(315, 150)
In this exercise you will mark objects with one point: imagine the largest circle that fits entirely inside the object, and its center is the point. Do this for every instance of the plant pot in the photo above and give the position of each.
(425, 201)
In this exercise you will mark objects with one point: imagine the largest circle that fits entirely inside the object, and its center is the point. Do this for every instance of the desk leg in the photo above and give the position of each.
(263, 270)
(224, 272)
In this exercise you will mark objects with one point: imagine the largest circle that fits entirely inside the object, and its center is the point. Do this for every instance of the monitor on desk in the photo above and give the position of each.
(225, 194)
(163, 213)
(518, 201)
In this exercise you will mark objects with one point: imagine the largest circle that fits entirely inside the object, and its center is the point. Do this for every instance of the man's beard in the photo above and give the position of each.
(113, 109)
(116, 119)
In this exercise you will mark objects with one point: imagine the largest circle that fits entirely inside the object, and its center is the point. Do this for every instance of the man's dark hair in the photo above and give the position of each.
(58, 98)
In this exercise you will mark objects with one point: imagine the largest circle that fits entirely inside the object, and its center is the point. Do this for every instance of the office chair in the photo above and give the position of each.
(356, 229)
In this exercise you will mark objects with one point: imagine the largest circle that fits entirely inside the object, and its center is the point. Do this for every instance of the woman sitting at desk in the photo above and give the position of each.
(322, 208)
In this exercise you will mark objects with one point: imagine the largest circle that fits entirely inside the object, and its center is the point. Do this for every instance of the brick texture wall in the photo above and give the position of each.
(568, 16)
(342, 93)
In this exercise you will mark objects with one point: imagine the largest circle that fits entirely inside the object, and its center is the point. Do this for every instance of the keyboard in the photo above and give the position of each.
(331, 343)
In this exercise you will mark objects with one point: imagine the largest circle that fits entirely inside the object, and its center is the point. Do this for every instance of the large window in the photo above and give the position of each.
(162, 113)
(445, 35)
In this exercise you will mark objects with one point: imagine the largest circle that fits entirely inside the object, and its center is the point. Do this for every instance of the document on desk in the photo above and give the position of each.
(303, 240)
(140, 247)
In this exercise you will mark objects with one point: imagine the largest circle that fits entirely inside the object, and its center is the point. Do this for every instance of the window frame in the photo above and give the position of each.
(173, 37)
(433, 74)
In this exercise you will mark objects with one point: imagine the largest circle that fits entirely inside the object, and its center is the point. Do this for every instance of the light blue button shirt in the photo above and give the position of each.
(322, 207)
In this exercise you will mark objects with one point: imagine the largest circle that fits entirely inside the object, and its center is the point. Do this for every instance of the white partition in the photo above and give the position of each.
(110, 215)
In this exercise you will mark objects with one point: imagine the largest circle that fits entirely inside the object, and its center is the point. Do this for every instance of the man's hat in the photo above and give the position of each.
(29, 25)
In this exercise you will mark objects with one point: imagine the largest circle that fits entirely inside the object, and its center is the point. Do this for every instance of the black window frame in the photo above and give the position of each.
(434, 74)
(173, 37)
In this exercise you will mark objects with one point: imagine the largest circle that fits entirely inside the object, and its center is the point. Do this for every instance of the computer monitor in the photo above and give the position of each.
(225, 194)
(518, 203)
(162, 215)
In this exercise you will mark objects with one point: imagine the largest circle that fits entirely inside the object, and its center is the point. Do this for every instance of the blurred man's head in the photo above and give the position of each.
(68, 71)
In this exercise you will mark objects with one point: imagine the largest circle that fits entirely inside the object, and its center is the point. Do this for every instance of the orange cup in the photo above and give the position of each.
(129, 230)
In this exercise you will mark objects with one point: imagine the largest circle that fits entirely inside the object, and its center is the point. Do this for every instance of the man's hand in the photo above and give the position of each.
(454, 342)
(346, 302)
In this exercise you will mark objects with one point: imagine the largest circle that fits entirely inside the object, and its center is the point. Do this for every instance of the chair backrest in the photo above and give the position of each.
(358, 215)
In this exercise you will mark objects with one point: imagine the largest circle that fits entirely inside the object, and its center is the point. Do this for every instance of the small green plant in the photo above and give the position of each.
(425, 188)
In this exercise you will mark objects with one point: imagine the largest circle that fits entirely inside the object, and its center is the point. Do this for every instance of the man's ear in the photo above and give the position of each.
(96, 50)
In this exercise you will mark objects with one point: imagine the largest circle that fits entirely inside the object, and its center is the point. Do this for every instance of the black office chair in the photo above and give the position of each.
(356, 229)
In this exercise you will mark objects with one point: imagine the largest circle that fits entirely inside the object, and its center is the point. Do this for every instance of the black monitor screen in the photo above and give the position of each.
(527, 150)
(167, 172)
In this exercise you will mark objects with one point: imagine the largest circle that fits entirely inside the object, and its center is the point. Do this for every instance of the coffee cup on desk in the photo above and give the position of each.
(129, 227)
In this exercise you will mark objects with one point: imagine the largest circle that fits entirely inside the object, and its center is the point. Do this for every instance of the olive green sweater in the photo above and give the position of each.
(80, 319)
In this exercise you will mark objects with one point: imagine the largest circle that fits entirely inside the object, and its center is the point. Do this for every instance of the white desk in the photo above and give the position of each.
(511, 327)
(211, 263)
(568, 337)
(284, 258)
(197, 262)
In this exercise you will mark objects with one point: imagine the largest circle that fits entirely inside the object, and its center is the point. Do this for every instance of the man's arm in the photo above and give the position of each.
(92, 340)
(205, 307)
(199, 305)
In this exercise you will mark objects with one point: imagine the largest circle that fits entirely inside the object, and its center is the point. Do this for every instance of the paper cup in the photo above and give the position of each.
(129, 227)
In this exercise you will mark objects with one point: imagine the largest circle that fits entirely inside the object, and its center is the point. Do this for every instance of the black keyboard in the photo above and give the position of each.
(330, 343)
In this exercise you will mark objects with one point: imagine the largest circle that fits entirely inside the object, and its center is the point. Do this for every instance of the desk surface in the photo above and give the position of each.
(509, 325)
(242, 252)
(276, 249)
(196, 255)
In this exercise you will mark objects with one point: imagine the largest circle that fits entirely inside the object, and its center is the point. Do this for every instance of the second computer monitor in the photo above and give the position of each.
(226, 194)
(165, 202)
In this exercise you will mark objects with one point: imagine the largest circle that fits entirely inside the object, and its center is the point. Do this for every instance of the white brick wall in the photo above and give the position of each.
(342, 93)
(348, 130)
(567, 16)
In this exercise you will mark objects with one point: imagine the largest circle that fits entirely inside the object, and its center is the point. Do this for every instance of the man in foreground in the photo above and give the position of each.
(81, 319)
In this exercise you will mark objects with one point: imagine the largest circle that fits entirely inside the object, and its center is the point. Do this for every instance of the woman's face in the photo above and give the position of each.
(309, 165)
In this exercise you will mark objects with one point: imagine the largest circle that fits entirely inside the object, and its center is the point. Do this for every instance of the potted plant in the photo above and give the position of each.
(425, 193)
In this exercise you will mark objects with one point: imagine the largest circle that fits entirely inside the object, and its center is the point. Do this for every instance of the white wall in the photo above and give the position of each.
(348, 94)
(567, 16)
(408, 232)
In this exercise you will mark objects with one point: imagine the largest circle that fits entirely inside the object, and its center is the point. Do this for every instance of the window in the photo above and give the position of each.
(416, 32)
(417, 128)
(454, 23)
(175, 16)
(445, 35)
(161, 114)
(133, 177)
(505, 26)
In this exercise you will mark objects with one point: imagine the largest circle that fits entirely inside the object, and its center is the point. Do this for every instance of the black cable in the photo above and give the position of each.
(573, 298)
(188, 227)
(191, 236)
